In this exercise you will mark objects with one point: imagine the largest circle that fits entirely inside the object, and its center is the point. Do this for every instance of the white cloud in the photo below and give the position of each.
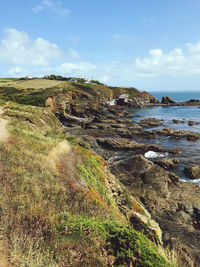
(20, 56)
(18, 49)
(159, 63)
(53, 6)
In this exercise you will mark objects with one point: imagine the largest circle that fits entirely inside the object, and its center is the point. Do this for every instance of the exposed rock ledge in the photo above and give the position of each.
(175, 205)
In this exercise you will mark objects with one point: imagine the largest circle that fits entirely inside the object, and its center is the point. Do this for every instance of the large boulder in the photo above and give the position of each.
(167, 100)
(167, 163)
(192, 171)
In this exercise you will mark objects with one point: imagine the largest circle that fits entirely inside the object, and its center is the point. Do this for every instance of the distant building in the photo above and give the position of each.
(122, 99)
(73, 80)
(28, 78)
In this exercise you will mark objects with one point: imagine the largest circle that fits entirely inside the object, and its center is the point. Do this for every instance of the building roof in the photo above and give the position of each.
(124, 96)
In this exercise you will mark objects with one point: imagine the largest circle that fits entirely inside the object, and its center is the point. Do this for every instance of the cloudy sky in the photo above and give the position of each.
(151, 45)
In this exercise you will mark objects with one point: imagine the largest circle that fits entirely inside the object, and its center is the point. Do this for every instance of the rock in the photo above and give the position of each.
(167, 163)
(175, 150)
(169, 132)
(126, 144)
(192, 123)
(167, 100)
(178, 121)
(193, 101)
(175, 205)
(192, 171)
(150, 123)
(136, 214)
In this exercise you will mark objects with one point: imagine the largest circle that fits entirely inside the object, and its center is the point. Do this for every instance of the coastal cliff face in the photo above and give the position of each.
(77, 190)
(60, 204)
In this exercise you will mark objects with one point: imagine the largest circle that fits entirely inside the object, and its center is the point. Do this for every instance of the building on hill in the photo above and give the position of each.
(122, 99)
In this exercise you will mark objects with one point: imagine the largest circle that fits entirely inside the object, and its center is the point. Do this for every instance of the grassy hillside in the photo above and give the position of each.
(36, 91)
(56, 205)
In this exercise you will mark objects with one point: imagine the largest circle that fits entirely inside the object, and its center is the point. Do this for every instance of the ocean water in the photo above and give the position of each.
(191, 150)
(177, 96)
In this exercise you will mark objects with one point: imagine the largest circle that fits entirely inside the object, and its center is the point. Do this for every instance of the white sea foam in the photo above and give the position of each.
(152, 154)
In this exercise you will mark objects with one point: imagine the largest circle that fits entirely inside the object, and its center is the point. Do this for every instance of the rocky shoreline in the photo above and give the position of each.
(110, 132)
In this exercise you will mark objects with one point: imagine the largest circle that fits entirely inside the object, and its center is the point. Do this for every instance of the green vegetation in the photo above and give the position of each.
(36, 92)
(123, 242)
(117, 91)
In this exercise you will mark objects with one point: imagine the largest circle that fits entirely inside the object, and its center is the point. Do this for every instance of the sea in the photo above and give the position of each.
(191, 150)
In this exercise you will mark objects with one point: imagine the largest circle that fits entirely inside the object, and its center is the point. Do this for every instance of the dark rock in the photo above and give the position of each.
(169, 132)
(150, 123)
(192, 123)
(167, 163)
(192, 171)
(176, 150)
(167, 100)
(126, 144)
(178, 121)
(174, 204)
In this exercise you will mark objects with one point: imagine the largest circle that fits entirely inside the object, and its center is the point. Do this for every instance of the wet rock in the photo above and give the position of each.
(167, 100)
(175, 150)
(167, 163)
(150, 123)
(178, 121)
(192, 171)
(192, 123)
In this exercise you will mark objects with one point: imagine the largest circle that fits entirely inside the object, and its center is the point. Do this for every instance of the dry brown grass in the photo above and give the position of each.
(56, 152)
(35, 83)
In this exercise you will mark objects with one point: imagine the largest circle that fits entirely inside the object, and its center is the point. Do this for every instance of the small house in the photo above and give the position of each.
(122, 99)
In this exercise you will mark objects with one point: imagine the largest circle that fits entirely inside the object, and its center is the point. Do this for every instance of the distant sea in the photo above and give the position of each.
(177, 96)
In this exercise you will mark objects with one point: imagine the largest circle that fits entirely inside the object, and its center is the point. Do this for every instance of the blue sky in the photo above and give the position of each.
(151, 45)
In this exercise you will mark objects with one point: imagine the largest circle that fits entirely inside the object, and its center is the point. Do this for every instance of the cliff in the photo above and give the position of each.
(60, 205)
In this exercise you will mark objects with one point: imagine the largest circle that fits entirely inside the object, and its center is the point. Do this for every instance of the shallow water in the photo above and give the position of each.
(191, 150)
(169, 113)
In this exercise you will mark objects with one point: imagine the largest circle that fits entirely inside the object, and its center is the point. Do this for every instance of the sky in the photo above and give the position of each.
(151, 45)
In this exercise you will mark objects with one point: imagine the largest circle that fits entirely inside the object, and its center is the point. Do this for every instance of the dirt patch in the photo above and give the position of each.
(3, 123)
(3, 261)
(60, 149)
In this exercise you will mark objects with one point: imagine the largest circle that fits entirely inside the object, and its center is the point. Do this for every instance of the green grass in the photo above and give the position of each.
(123, 242)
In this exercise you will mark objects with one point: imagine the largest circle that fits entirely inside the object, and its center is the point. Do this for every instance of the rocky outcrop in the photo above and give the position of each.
(167, 163)
(136, 214)
(150, 123)
(178, 121)
(167, 100)
(169, 132)
(174, 204)
(127, 144)
(192, 171)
